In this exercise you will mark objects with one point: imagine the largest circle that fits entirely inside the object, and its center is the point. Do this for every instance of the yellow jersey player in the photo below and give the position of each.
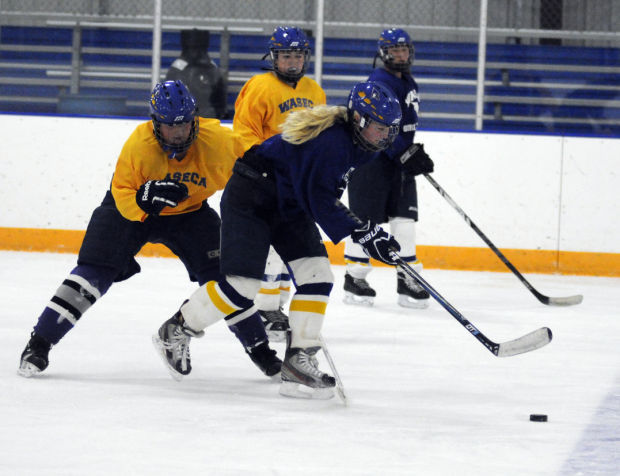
(263, 104)
(164, 174)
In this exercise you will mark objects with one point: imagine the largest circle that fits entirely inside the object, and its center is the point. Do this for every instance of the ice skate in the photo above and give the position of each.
(34, 359)
(357, 291)
(266, 360)
(172, 344)
(410, 293)
(301, 377)
(276, 324)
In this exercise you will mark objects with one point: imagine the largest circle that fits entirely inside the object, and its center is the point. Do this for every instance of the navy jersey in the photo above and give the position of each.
(312, 176)
(406, 90)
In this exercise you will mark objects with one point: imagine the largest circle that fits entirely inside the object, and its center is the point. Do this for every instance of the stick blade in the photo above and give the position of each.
(527, 343)
(565, 301)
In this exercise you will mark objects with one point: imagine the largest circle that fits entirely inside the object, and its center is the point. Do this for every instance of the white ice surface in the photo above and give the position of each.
(426, 397)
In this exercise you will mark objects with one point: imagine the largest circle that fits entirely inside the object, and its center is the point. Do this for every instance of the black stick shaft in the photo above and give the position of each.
(488, 343)
(532, 341)
(541, 297)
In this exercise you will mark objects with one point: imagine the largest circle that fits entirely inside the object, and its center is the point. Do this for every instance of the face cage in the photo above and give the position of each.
(175, 149)
(388, 59)
(364, 143)
(290, 76)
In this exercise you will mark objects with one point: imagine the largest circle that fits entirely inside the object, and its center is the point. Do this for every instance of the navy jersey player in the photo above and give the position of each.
(280, 190)
(158, 194)
(384, 190)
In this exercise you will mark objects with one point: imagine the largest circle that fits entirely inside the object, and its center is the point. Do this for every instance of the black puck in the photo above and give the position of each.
(537, 417)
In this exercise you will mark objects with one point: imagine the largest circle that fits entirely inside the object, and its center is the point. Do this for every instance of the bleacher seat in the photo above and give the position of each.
(527, 87)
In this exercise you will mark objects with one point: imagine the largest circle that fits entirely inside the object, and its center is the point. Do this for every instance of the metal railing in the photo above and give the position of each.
(322, 26)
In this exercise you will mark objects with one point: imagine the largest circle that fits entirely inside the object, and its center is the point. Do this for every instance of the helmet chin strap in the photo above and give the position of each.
(173, 154)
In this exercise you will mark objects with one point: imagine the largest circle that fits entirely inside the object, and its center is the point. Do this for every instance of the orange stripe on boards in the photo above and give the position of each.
(526, 261)
(589, 264)
(60, 241)
(433, 257)
(35, 239)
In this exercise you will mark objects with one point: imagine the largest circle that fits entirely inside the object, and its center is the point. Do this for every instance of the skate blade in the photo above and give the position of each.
(159, 347)
(276, 336)
(27, 370)
(297, 390)
(407, 301)
(352, 299)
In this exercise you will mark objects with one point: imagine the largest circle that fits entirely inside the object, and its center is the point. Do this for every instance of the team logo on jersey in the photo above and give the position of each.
(293, 103)
(344, 180)
(413, 99)
(188, 177)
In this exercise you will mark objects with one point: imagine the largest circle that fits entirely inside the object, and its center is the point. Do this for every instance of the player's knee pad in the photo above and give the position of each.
(404, 230)
(313, 270)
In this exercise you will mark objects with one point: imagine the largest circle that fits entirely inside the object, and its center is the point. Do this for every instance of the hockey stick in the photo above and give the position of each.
(339, 385)
(532, 341)
(551, 301)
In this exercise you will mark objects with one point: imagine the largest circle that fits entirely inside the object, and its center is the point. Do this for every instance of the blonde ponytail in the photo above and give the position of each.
(306, 124)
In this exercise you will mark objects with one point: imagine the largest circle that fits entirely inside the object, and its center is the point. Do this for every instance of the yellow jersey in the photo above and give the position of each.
(265, 101)
(205, 169)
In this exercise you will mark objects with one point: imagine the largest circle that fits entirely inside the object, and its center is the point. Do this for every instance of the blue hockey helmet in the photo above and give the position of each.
(372, 101)
(287, 39)
(171, 104)
(391, 38)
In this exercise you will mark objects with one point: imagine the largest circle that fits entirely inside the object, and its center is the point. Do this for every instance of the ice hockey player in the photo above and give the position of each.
(164, 174)
(384, 190)
(263, 104)
(279, 192)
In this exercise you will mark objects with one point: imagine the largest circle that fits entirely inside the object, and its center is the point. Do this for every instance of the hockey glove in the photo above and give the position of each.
(154, 195)
(415, 161)
(377, 243)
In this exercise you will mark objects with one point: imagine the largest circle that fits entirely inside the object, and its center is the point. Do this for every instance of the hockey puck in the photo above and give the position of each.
(536, 417)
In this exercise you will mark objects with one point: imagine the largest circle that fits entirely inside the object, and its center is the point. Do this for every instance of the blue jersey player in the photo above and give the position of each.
(384, 190)
(280, 190)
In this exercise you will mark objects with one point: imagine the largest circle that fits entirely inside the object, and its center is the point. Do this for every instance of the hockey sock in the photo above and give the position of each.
(214, 301)
(268, 297)
(404, 231)
(357, 262)
(77, 293)
(248, 327)
(357, 269)
(307, 312)
(285, 286)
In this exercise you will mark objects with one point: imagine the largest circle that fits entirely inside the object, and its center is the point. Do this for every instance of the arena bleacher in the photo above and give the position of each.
(107, 71)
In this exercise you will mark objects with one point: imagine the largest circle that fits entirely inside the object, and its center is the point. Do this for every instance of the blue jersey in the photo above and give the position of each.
(406, 90)
(312, 176)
